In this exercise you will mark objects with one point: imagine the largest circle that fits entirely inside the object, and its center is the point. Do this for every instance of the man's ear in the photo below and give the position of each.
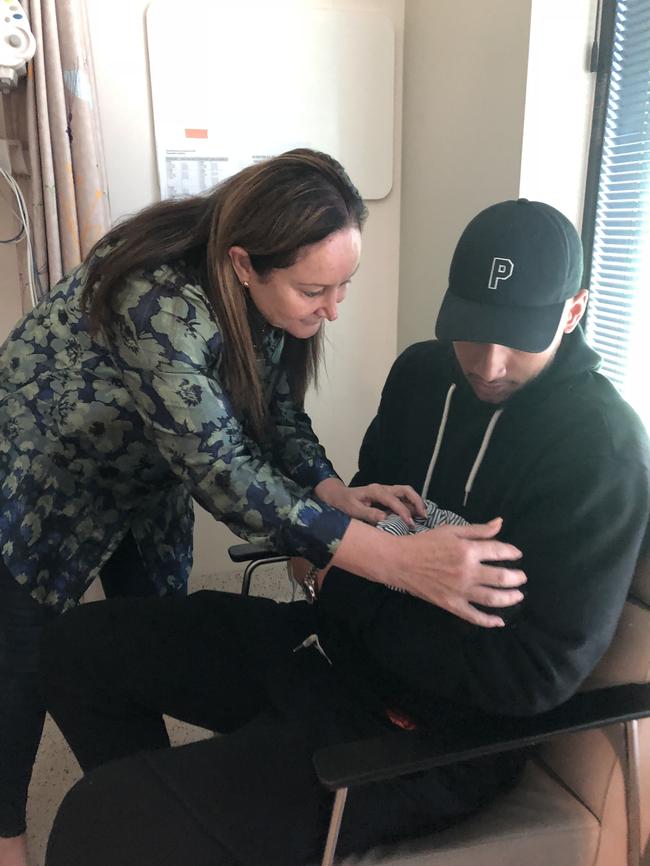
(241, 263)
(575, 310)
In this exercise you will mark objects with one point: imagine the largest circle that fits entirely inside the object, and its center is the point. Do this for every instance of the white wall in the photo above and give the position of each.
(10, 300)
(497, 104)
(559, 100)
(464, 91)
(363, 341)
(11, 308)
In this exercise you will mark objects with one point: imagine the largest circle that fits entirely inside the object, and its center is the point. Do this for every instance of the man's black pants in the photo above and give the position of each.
(249, 797)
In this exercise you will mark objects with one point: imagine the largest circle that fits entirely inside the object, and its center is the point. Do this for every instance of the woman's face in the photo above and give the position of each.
(298, 298)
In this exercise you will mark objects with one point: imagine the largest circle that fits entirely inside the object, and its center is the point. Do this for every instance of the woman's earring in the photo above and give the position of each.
(245, 284)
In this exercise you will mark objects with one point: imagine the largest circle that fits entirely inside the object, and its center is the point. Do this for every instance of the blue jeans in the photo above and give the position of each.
(22, 621)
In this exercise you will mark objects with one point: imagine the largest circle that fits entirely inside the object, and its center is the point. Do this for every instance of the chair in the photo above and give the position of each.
(584, 800)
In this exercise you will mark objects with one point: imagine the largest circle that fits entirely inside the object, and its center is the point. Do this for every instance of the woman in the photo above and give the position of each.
(171, 366)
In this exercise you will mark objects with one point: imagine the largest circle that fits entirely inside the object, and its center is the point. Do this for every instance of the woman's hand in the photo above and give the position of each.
(361, 502)
(448, 567)
(444, 566)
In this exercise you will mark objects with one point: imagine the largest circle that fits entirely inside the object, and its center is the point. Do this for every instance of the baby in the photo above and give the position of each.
(435, 517)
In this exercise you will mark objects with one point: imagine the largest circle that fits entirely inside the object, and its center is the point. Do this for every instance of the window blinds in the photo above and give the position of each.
(618, 320)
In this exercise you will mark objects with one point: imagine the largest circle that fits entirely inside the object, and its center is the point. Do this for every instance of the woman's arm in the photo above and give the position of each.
(296, 449)
(301, 457)
(166, 350)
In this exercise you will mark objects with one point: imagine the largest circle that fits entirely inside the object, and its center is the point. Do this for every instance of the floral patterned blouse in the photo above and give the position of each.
(100, 439)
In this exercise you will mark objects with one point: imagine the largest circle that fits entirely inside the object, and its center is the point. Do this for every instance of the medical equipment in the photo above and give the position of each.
(17, 43)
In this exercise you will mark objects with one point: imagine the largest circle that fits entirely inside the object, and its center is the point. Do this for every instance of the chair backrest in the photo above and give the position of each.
(592, 764)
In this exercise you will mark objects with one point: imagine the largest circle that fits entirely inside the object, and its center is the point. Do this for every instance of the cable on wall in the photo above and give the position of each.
(25, 232)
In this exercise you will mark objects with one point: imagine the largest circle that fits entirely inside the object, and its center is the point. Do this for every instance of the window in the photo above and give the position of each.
(617, 203)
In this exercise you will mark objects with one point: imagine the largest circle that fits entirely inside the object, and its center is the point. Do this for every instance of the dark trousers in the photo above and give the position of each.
(249, 797)
(21, 709)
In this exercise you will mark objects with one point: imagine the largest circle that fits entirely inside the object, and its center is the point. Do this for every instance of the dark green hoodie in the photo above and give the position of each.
(566, 466)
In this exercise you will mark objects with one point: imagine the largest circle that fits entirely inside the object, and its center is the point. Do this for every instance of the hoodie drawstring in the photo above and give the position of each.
(436, 447)
(481, 451)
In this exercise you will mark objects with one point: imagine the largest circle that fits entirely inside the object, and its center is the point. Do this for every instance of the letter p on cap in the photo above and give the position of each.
(501, 270)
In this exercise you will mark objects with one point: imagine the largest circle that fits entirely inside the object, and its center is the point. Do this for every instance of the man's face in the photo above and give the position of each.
(496, 372)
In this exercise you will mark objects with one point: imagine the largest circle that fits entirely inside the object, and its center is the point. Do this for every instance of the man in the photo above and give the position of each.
(506, 417)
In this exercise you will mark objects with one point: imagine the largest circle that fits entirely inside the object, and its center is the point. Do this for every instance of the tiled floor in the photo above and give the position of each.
(56, 769)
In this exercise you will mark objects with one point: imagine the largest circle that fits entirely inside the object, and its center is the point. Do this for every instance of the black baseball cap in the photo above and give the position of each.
(514, 267)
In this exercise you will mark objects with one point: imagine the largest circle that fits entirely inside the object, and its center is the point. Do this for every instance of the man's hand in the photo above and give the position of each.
(362, 502)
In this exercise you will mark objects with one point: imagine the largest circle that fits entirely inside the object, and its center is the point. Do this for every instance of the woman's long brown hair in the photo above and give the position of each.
(272, 209)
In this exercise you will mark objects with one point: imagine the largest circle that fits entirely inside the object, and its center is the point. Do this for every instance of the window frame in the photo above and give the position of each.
(601, 56)
(616, 274)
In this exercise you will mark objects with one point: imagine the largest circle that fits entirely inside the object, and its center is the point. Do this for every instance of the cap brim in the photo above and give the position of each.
(529, 329)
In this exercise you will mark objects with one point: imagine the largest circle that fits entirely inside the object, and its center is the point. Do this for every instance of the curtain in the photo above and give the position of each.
(55, 112)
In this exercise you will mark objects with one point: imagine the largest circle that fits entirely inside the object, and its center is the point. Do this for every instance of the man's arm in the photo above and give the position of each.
(580, 528)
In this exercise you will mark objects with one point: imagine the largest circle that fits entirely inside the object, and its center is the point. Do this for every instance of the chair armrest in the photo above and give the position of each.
(252, 552)
(403, 752)
(255, 555)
